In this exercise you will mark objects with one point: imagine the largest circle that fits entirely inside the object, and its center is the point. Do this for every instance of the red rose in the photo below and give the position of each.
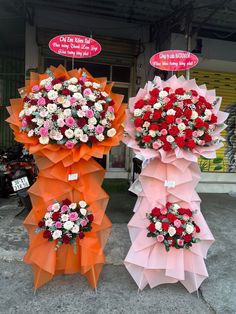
(206, 125)
(65, 92)
(111, 102)
(41, 224)
(155, 92)
(167, 146)
(165, 226)
(77, 107)
(181, 211)
(188, 212)
(157, 114)
(170, 119)
(213, 118)
(163, 125)
(186, 122)
(54, 117)
(92, 139)
(26, 99)
(179, 230)
(55, 216)
(188, 113)
(180, 141)
(173, 130)
(187, 238)
(152, 227)
(207, 138)
(152, 100)
(139, 104)
(197, 229)
(81, 122)
(187, 102)
(28, 119)
(154, 127)
(66, 201)
(66, 239)
(190, 144)
(208, 105)
(147, 138)
(171, 241)
(90, 217)
(156, 212)
(162, 217)
(138, 122)
(47, 234)
(169, 105)
(168, 204)
(80, 82)
(178, 112)
(146, 116)
(172, 97)
(180, 91)
(34, 102)
(171, 217)
(81, 235)
(63, 129)
(167, 89)
(194, 93)
(202, 99)
(199, 123)
(188, 133)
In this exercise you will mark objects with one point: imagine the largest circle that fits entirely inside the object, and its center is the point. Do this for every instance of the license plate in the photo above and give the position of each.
(20, 184)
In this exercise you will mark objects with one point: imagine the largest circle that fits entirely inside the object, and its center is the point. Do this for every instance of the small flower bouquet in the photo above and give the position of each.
(64, 221)
(173, 226)
(174, 118)
(69, 112)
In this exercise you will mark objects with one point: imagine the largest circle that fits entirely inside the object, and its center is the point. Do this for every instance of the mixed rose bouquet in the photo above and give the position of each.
(173, 226)
(68, 112)
(64, 221)
(167, 118)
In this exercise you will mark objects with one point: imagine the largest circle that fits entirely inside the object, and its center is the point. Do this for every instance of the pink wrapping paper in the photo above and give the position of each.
(147, 260)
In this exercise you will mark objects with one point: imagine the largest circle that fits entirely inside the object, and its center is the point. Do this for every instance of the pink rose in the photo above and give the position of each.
(180, 105)
(48, 87)
(163, 132)
(69, 144)
(87, 92)
(166, 100)
(43, 132)
(177, 223)
(83, 223)
(99, 129)
(49, 208)
(72, 100)
(73, 216)
(139, 129)
(41, 101)
(47, 124)
(83, 79)
(110, 109)
(178, 120)
(185, 217)
(70, 122)
(24, 123)
(160, 238)
(60, 122)
(148, 108)
(156, 145)
(180, 242)
(64, 208)
(201, 142)
(89, 114)
(58, 224)
(35, 88)
(163, 211)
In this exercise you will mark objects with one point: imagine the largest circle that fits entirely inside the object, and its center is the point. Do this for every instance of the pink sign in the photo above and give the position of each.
(174, 60)
(75, 46)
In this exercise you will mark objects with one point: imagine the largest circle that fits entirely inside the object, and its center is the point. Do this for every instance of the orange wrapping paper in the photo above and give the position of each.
(55, 163)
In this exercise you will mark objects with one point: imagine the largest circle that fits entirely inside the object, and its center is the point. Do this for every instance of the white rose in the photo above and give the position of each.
(104, 94)
(87, 84)
(100, 137)
(98, 106)
(47, 215)
(78, 133)
(92, 97)
(181, 126)
(73, 205)
(200, 132)
(33, 108)
(96, 85)
(64, 217)
(78, 96)
(67, 112)
(72, 88)
(22, 113)
(189, 229)
(146, 124)
(92, 120)
(170, 139)
(157, 105)
(85, 107)
(80, 113)
(49, 222)
(52, 95)
(30, 133)
(103, 122)
(208, 112)
(39, 122)
(44, 140)
(38, 95)
(84, 138)
(43, 113)
(83, 211)
(56, 207)
(69, 133)
(194, 115)
(82, 204)
(58, 136)
(137, 112)
(158, 226)
(73, 80)
(152, 133)
(66, 104)
(175, 206)
(51, 108)
(57, 87)
(56, 234)
(28, 111)
(75, 229)
(171, 231)
(111, 132)
(68, 225)
(170, 112)
(163, 94)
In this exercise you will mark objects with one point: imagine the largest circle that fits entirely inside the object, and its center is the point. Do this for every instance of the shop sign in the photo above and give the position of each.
(174, 60)
(75, 46)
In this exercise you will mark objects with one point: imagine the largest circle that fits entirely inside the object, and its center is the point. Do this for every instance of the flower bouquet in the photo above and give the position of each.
(65, 119)
(169, 125)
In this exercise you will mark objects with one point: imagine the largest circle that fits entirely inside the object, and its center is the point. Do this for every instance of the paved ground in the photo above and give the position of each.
(117, 292)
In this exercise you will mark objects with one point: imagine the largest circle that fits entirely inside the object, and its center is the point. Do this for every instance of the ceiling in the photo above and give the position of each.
(215, 19)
